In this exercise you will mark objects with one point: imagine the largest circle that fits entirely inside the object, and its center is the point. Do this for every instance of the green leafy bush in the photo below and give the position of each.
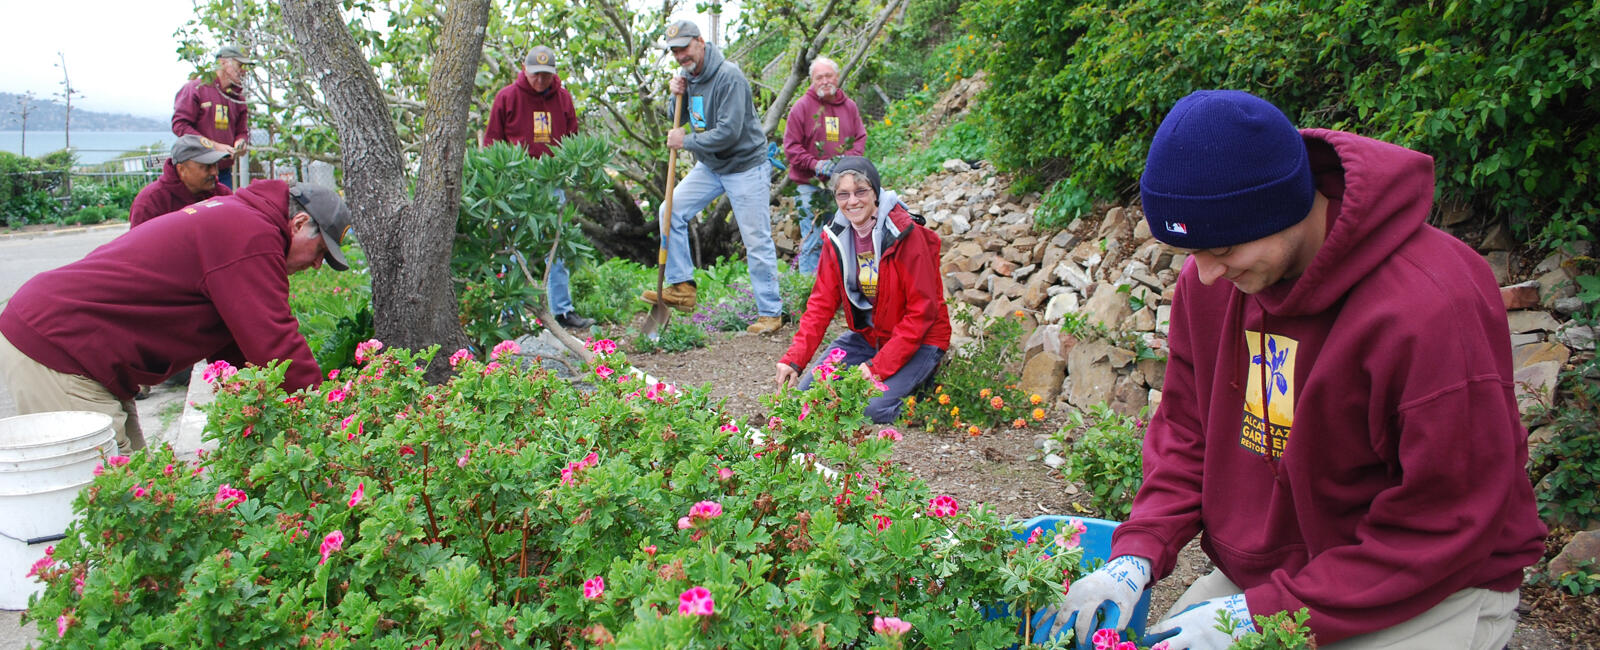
(1106, 457)
(1500, 92)
(511, 216)
(334, 309)
(1062, 204)
(27, 189)
(506, 509)
(93, 214)
(1280, 631)
(976, 386)
(679, 335)
(609, 291)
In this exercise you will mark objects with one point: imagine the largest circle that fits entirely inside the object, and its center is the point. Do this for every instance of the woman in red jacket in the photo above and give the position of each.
(882, 266)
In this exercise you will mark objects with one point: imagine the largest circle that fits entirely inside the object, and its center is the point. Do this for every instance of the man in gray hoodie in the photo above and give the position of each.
(721, 130)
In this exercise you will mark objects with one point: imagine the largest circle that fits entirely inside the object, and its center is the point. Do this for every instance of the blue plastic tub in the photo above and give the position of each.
(1096, 543)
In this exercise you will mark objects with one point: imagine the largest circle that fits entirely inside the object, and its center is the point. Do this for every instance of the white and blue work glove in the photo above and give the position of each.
(1196, 628)
(825, 169)
(1102, 599)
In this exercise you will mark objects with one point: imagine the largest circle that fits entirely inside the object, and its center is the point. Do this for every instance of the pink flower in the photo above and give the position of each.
(729, 428)
(604, 371)
(462, 461)
(890, 627)
(943, 505)
(835, 355)
(605, 346)
(335, 395)
(569, 475)
(878, 384)
(1033, 536)
(331, 544)
(504, 348)
(1161, 646)
(40, 565)
(774, 422)
(1128, 645)
(459, 356)
(594, 587)
(696, 601)
(218, 371)
(167, 471)
(345, 423)
(138, 491)
(891, 434)
(355, 497)
(118, 461)
(882, 521)
(493, 366)
(725, 474)
(650, 550)
(683, 523)
(77, 584)
(366, 349)
(229, 496)
(99, 469)
(590, 461)
(1105, 639)
(805, 410)
(62, 622)
(406, 450)
(705, 510)
(825, 371)
(333, 374)
(1073, 536)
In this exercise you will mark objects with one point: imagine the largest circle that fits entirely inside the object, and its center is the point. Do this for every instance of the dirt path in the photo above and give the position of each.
(1001, 470)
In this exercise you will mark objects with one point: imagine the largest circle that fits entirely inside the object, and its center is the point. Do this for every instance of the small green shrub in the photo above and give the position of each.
(93, 214)
(964, 140)
(1064, 203)
(1105, 458)
(679, 335)
(1280, 631)
(976, 388)
(334, 309)
(1583, 580)
(795, 287)
(609, 291)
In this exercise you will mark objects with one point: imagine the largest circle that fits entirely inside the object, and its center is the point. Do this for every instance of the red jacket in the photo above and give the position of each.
(167, 194)
(206, 282)
(807, 139)
(1393, 470)
(910, 310)
(537, 121)
(204, 109)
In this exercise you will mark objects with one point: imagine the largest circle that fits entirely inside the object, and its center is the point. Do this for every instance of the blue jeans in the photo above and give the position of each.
(225, 176)
(559, 290)
(749, 191)
(810, 233)
(884, 408)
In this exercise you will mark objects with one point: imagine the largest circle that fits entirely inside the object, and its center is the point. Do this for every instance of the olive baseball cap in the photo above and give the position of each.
(540, 59)
(328, 209)
(233, 52)
(680, 33)
(196, 148)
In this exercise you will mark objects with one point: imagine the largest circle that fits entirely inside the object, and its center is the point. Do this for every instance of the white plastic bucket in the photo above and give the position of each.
(45, 459)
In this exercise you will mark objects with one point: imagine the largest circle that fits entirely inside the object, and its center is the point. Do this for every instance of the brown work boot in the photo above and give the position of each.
(765, 325)
(680, 296)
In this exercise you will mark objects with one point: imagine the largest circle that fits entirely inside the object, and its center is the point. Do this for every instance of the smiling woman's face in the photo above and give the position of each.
(856, 200)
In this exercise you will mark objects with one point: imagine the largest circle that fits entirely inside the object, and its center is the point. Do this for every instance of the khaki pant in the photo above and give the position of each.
(38, 389)
(1478, 619)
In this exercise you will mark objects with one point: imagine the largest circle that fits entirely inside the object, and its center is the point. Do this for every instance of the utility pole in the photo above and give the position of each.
(25, 105)
(716, 22)
(67, 92)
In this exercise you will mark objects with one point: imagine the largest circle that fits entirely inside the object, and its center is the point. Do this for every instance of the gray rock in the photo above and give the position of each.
(959, 224)
(1500, 263)
(1163, 319)
(1524, 339)
(1527, 355)
(1567, 306)
(1536, 384)
(954, 165)
(1059, 306)
(1531, 320)
(1073, 275)
(1108, 308)
(1575, 336)
(1054, 461)
(1089, 379)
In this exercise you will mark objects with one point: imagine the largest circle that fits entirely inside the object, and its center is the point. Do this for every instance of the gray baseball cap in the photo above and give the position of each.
(196, 148)
(680, 32)
(540, 59)
(328, 209)
(233, 52)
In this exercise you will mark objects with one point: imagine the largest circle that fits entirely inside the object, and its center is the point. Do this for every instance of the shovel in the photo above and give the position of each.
(660, 312)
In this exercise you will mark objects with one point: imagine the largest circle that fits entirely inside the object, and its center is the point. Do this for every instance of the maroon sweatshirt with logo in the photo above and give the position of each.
(203, 108)
(535, 120)
(206, 282)
(1385, 469)
(167, 194)
(820, 129)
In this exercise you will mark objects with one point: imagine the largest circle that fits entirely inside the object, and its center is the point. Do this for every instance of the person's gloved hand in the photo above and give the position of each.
(1110, 592)
(1197, 627)
(825, 169)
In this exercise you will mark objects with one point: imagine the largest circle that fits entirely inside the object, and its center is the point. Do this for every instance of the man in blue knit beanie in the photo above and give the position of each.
(1338, 419)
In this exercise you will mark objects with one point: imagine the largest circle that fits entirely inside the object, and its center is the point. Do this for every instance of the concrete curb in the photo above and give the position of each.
(71, 230)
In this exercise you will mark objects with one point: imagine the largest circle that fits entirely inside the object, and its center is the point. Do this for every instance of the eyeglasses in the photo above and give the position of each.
(860, 194)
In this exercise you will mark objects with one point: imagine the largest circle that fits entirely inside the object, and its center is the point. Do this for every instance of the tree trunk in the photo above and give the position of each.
(407, 242)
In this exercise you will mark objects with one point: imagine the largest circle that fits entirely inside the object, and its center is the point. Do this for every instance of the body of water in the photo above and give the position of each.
(92, 146)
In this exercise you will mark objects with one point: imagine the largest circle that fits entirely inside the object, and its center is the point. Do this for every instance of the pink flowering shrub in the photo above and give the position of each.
(511, 509)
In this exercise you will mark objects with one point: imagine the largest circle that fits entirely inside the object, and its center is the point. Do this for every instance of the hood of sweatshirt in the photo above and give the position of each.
(708, 67)
(837, 98)
(1385, 196)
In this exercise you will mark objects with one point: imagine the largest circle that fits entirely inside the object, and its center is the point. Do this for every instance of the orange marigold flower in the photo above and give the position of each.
(984, 393)
(1020, 314)
(944, 399)
(955, 411)
(996, 402)
(973, 431)
(1038, 414)
(1019, 423)
(911, 400)
(1035, 398)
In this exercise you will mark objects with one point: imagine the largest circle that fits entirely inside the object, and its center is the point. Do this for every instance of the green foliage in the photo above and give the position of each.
(1106, 457)
(1566, 468)
(795, 288)
(976, 387)
(913, 55)
(93, 214)
(474, 513)
(609, 291)
(966, 140)
(512, 214)
(334, 309)
(27, 186)
(679, 335)
(1582, 580)
(1500, 92)
(1280, 631)
(1064, 203)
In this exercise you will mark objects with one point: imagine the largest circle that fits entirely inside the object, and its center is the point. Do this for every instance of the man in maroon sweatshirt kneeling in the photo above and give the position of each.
(190, 176)
(210, 281)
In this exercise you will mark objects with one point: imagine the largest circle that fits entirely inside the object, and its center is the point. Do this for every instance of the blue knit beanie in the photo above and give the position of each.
(1225, 168)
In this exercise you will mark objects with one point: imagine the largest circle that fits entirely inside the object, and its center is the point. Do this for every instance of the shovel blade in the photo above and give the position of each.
(656, 321)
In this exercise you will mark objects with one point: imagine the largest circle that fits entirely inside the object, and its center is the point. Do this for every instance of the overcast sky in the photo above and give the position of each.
(121, 53)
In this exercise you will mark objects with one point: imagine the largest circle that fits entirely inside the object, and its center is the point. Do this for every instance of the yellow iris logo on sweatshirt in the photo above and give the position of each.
(1272, 369)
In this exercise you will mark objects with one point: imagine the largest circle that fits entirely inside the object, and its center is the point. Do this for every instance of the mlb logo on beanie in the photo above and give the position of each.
(1225, 168)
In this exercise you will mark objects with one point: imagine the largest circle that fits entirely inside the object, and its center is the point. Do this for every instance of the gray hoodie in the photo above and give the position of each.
(724, 133)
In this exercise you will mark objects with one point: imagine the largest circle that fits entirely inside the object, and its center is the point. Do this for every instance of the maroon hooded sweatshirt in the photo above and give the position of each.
(167, 194)
(206, 282)
(1388, 470)
(819, 129)
(535, 120)
(206, 110)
